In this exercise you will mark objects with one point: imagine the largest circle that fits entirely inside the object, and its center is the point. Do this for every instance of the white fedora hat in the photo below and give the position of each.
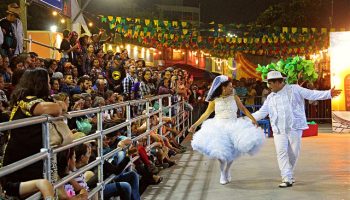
(274, 75)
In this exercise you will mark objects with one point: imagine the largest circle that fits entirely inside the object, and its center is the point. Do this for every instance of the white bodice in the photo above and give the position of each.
(226, 107)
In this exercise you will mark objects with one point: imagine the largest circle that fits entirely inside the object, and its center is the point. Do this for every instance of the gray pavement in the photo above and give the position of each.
(323, 172)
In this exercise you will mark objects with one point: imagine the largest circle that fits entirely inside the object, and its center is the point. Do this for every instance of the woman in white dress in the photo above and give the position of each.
(226, 137)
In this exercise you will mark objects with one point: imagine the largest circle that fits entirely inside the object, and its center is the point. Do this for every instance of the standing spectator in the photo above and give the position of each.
(28, 100)
(128, 82)
(66, 47)
(96, 70)
(116, 74)
(250, 95)
(12, 30)
(87, 59)
(147, 87)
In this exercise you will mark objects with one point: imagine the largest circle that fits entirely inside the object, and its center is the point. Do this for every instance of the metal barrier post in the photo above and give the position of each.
(128, 118)
(148, 124)
(170, 111)
(46, 145)
(160, 115)
(100, 151)
(178, 110)
(183, 118)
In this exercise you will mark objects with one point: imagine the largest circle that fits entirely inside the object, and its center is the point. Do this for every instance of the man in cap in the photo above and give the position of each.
(12, 31)
(286, 109)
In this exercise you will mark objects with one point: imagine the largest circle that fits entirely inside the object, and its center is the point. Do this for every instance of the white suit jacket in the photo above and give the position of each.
(297, 96)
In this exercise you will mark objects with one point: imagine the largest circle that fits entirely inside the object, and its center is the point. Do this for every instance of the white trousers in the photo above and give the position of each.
(288, 149)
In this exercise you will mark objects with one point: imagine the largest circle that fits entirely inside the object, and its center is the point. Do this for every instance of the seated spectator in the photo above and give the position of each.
(84, 86)
(55, 86)
(66, 163)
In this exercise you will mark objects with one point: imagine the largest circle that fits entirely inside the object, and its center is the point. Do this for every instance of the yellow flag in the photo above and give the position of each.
(128, 19)
(313, 30)
(294, 29)
(332, 30)
(212, 22)
(172, 36)
(285, 29)
(166, 23)
(137, 20)
(147, 21)
(142, 34)
(174, 23)
(148, 34)
(156, 22)
(304, 30)
(184, 31)
(245, 40)
(110, 18)
(239, 40)
(119, 19)
(323, 30)
(183, 24)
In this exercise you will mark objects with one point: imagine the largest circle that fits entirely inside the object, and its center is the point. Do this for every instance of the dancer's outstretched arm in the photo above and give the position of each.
(245, 110)
(205, 116)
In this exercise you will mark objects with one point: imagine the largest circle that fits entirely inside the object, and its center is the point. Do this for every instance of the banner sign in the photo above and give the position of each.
(58, 4)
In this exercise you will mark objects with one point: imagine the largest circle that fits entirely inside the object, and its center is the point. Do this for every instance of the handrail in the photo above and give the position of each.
(77, 142)
(47, 152)
(41, 44)
(8, 169)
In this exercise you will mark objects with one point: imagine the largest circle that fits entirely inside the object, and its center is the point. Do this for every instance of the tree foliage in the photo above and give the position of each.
(297, 13)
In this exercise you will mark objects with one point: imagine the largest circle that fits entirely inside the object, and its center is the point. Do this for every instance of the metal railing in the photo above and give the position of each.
(47, 152)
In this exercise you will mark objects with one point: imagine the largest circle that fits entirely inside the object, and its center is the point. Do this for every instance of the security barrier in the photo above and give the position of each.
(48, 153)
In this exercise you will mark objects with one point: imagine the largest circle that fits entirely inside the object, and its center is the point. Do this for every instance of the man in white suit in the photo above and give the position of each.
(285, 107)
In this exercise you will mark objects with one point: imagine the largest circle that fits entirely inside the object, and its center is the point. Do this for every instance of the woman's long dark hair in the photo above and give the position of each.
(218, 91)
(32, 83)
(62, 161)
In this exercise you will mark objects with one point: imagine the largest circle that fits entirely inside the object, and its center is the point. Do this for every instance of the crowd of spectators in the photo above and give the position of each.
(84, 78)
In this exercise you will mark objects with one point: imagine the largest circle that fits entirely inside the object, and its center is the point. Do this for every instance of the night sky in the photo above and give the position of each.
(221, 11)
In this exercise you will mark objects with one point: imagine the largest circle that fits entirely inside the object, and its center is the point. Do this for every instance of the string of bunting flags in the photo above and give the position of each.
(221, 40)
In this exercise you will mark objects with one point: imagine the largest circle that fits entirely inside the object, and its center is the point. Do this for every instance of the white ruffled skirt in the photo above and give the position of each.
(228, 139)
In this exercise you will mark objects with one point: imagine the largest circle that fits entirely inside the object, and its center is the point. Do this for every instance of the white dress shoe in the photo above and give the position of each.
(223, 179)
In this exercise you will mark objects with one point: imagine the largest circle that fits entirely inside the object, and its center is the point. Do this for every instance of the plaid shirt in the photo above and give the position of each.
(146, 89)
(128, 82)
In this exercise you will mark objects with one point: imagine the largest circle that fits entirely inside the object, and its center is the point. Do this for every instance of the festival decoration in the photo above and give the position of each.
(218, 39)
(296, 69)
